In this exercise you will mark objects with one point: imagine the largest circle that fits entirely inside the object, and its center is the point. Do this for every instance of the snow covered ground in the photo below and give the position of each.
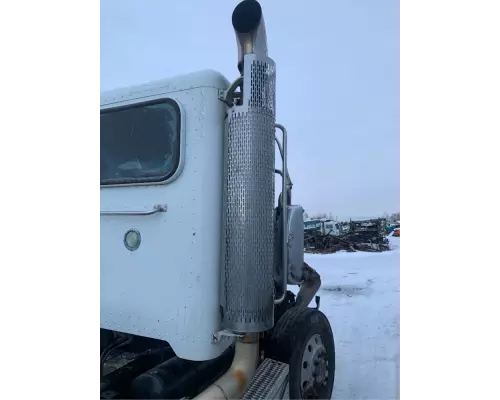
(360, 297)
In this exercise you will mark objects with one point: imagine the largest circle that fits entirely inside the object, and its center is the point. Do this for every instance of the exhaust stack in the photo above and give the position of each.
(247, 286)
(248, 24)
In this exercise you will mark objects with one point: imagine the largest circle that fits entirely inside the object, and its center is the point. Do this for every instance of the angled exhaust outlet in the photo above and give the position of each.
(249, 26)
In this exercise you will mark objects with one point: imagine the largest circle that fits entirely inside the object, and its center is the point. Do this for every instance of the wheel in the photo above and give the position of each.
(303, 339)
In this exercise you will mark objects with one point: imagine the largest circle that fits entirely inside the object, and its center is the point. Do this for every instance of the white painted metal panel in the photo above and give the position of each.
(169, 287)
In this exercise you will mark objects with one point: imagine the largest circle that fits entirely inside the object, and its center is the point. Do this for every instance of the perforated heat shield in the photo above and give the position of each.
(247, 274)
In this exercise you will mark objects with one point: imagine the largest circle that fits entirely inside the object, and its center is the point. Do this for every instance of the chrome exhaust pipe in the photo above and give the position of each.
(250, 30)
(233, 384)
(247, 295)
(247, 285)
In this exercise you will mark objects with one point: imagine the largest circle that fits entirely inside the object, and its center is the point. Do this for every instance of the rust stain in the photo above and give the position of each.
(241, 379)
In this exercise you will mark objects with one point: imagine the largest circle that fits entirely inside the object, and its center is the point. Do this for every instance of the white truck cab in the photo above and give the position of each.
(324, 226)
(161, 196)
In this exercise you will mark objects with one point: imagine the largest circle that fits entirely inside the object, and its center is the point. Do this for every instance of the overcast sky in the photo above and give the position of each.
(337, 83)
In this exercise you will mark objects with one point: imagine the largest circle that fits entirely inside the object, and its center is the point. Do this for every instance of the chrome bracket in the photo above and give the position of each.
(217, 336)
(228, 96)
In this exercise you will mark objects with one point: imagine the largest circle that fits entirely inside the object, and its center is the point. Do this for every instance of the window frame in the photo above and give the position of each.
(180, 136)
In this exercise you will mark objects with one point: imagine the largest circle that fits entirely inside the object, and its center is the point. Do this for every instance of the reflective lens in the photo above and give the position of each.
(132, 240)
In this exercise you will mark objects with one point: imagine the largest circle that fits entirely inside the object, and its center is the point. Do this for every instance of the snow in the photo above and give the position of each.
(360, 297)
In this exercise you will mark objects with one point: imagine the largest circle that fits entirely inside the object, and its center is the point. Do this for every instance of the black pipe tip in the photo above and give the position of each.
(246, 16)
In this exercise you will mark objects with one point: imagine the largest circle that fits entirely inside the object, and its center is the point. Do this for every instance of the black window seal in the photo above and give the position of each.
(157, 179)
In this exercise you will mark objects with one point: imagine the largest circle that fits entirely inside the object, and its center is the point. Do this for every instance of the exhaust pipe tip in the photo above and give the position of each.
(249, 27)
(246, 16)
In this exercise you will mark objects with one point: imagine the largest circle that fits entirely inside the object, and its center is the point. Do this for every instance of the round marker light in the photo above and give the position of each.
(132, 240)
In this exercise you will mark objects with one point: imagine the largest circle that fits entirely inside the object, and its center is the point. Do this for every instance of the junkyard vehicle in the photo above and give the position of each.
(323, 225)
(195, 255)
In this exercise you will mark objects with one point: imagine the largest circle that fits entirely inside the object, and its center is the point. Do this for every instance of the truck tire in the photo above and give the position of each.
(303, 339)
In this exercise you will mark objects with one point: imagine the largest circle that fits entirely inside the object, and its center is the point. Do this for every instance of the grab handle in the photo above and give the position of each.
(156, 209)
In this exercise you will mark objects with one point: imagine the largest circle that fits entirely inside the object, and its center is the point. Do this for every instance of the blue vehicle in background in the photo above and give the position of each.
(391, 227)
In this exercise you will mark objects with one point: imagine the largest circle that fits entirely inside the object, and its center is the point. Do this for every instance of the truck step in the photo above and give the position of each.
(270, 381)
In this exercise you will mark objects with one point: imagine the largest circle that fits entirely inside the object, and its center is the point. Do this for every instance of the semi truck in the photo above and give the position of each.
(197, 259)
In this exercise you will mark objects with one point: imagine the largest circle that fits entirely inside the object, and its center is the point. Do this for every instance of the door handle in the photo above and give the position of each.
(157, 208)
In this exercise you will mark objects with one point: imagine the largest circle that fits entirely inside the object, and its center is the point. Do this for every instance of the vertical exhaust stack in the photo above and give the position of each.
(247, 274)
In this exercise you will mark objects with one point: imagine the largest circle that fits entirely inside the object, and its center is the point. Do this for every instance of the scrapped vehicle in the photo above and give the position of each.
(324, 226)
(196, 256)
(391, 227)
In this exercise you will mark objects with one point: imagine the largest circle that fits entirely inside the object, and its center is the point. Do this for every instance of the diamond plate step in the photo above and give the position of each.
(270, 381)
